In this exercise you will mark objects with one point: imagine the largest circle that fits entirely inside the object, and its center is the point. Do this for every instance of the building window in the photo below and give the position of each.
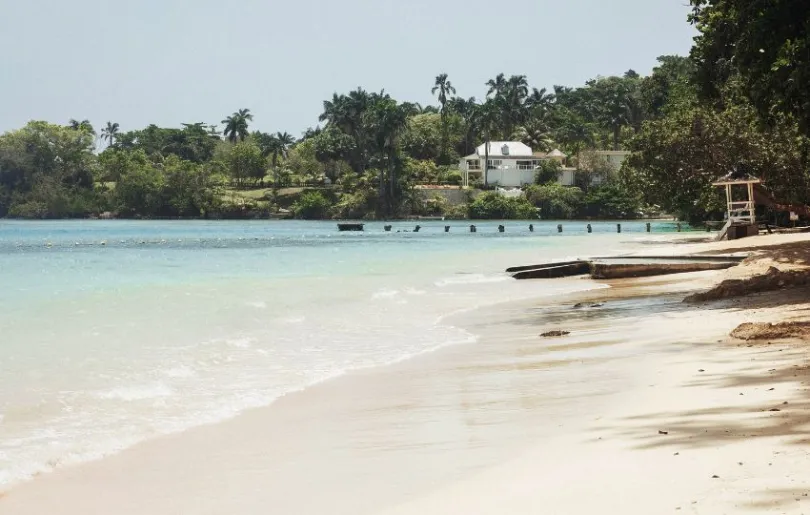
(494, 163)
(527, 165)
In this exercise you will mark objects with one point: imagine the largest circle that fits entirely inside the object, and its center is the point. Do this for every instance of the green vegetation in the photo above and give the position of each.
(739, 98)
(491, 206)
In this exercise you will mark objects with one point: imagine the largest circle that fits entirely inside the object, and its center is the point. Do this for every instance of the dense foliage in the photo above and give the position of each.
(739, 98)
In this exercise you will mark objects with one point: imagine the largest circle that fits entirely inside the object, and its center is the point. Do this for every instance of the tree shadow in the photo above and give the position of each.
(791, 296)
(797, 253)
(781, 409)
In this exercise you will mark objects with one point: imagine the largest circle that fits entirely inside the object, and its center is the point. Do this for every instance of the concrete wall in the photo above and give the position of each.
(511, 177)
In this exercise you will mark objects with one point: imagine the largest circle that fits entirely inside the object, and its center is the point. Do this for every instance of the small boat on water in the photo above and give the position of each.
(350, 227)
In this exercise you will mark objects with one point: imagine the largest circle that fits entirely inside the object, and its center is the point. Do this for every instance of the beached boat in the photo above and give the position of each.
(350, 227)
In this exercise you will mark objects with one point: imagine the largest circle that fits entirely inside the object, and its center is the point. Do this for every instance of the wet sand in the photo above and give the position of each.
(635, 411)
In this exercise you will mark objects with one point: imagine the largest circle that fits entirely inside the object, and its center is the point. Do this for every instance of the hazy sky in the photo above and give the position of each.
(172, 61)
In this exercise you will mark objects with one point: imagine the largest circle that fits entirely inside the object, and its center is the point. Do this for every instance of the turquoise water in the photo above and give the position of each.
(112, 332)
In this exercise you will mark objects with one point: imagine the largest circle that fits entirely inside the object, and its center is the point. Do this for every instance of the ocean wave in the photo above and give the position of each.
(240, 343)
(179, 372)
(137, 392)
(463, 279)
(385, 294)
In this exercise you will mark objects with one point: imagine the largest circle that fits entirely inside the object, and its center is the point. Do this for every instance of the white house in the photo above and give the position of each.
(513, 164)
(510, 164)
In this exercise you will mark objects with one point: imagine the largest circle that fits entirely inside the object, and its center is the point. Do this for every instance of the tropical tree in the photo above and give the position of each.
(763, 46)
(83, 125)
(388, 122)
(245, 161)
(443, 87)
(110, 133)
(281, 143)
(488, 114)
(509, 97)
(236, 125)
(468, 110)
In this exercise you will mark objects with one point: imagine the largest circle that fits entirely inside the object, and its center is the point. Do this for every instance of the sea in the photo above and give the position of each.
(115, 332)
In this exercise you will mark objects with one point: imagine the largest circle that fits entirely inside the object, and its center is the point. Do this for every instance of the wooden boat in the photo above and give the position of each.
(350, 227)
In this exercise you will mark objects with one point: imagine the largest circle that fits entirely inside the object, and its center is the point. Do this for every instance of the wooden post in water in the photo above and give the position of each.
(649, 227)
(619, 228)
(501, 228)
(531, 227)
(472, 228)
(559, 227)
(590, 229)
(416, 229)
(446, 228)
(387, 228)
(679, 227)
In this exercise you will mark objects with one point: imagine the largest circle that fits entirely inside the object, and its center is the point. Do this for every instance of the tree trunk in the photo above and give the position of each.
(381, 190)
(391, 183)
(617, 133)
(486, 161)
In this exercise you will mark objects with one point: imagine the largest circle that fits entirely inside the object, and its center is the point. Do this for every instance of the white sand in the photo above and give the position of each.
(512, 424)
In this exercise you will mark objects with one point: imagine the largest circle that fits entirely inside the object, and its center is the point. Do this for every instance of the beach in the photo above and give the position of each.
(647, 406)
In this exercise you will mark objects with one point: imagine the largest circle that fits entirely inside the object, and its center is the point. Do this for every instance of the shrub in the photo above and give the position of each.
(493, 206)
(555, 201)
(453, 177)
(30, 209)
(549, 171)
(610, 200)
(312, 205)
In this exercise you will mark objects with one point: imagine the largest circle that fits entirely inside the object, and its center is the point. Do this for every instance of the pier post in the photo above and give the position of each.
(590, 229)
(472, 228)
(501, 228)
(648, 227)
(559, 227)
(531, 227)
(446, 228)
(618, 228)
(387, 228)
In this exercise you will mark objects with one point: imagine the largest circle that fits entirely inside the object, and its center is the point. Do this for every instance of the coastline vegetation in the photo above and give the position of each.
(734, 99)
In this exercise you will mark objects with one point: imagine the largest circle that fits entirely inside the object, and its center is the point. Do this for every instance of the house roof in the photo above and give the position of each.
(556, 153)
(505, 149)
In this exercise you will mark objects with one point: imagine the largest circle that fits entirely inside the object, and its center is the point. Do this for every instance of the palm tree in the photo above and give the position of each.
(311, 133)
(509, 97)
(110, 133)
(236, 125)
(497, 85)
(536, 134)
(468, 110)
(540, 100)
(487, 119)
(83, 125)
(443, 87)
(280, 144)
(389, 121)
(514, 103)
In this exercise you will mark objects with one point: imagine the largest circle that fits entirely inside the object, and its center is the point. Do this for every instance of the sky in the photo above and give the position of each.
(182, 61)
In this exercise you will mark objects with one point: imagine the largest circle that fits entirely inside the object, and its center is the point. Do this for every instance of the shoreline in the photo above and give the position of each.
(384, 425)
